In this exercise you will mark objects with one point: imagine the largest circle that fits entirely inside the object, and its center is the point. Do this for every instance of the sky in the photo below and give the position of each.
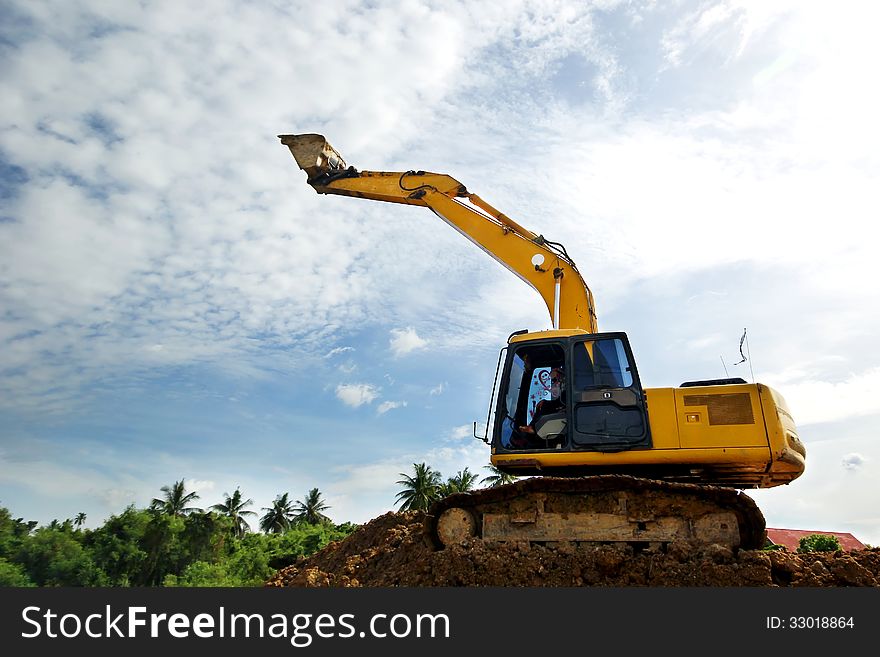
(177, 303)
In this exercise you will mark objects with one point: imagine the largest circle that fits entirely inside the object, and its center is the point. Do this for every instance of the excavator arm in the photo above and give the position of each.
(542, 264)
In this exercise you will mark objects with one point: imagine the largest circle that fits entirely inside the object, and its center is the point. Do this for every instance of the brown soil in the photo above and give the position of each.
(393, 550)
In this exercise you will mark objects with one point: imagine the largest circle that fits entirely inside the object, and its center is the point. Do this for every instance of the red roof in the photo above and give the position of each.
(791, 538)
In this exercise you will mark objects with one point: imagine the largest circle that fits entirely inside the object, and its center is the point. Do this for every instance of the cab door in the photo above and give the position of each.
(608, 409)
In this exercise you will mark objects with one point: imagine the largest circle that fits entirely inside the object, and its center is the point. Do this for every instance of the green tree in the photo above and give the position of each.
(143, 547)
(233, 507)
(300, 540)
(818, 543)
(80, 520)
(202, 574)
(55, 557)
(119, 548)
(497, 477)
(13, 533)
(13, 574)
(309, 510)
(175, 501)
(347, 527)
(249, 564)
(278, 517)
(420, 490)
(162, 546)
(461, 482)
(205, 537)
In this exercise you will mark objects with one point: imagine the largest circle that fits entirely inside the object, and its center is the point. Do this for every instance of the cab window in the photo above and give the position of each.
(601, 364)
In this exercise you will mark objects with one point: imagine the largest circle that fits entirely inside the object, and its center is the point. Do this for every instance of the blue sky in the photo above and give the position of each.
(176, 302)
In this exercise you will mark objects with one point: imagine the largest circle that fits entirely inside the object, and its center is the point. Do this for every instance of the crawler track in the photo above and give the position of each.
(602, 508)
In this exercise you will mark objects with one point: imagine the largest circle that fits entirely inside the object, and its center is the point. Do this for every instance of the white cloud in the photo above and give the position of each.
(438, 389)
(337, 350)
(386, 406)
(405, 341)
(461, 432)
(473, 455)
(853, 461)
(199, 486)
(115, 499)
(347, 367)
(813, 401)
(363, 491)
(369, 477)
(356, 394)
(699, 31)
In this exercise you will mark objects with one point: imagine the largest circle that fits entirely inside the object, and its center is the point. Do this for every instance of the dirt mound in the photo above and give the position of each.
(393, 550)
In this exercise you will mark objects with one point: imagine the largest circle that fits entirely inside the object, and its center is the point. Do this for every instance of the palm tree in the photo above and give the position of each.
(233, 507)
(497, 478)
(176, 500)
(420, 490)
(309, 509)
(277, 517)
(80, 520)
(462, 482)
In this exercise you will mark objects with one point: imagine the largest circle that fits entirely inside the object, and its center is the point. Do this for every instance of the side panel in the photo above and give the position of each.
(662, 418)
(720, 416)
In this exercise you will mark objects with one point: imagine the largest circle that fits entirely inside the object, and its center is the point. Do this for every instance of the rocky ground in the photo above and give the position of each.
(393, 550)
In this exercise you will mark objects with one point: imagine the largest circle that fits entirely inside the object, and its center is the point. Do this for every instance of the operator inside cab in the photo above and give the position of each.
(552, 381)
(540, 422)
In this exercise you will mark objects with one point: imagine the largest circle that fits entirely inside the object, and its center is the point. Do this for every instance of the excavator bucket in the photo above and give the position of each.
(313, 154)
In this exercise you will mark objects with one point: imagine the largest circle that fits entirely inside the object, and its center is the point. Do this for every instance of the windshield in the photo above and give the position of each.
(517, 369)
(601, 364)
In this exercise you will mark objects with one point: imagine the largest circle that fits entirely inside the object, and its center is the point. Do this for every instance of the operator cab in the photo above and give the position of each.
(569, 391)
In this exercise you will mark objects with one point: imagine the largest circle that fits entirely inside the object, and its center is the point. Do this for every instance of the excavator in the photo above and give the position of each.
(597, 457)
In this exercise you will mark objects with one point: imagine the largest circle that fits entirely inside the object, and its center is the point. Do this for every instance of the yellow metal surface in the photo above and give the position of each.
(726, 416)
(549, 334)
(789, 454)
(662, 418)
(747, 456)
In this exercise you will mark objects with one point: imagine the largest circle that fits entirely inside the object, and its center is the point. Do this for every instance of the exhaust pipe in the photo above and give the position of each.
(314, 154)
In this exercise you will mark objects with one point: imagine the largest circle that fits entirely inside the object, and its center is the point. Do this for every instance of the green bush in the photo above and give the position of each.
(774, 547)
(11, 574)
(818, 543)
(55, 557)
(202, 574)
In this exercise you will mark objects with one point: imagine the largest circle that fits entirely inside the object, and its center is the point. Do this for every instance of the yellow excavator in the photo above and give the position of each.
(605, 459)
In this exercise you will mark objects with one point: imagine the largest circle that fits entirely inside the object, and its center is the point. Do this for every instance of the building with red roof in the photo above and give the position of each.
(791, 538)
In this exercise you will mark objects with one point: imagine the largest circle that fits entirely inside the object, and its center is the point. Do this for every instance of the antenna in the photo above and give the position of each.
(750, 357)
(726, 374)
(745, 339)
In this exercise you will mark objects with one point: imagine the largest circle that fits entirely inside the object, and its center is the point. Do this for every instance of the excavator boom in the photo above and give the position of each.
(542, 264)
